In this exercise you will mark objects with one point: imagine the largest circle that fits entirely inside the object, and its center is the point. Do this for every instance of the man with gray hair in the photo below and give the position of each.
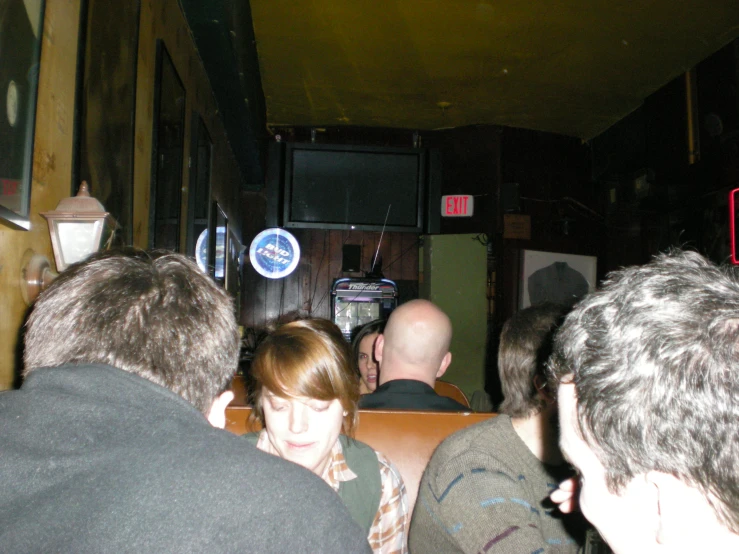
(649, 406)
(110, 445)
(413, 352)
(486, 488)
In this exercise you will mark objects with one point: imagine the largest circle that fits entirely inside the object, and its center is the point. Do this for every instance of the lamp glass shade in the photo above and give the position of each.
(77, 240)
(79, 227)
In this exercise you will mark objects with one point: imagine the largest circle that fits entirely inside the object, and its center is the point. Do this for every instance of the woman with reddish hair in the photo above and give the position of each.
(306, 394)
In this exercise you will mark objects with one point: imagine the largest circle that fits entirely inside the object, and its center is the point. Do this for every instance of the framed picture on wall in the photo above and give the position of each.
(555, 277)
(106, 105)
(167, 154)
(21, 25)
(234, 265)
(199, 202)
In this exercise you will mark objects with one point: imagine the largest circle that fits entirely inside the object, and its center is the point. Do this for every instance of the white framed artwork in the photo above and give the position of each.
(555, 277)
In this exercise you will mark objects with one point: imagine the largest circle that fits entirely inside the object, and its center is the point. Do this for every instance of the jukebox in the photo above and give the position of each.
(358, 301)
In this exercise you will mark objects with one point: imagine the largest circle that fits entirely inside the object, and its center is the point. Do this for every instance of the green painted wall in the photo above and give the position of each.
(453, 276)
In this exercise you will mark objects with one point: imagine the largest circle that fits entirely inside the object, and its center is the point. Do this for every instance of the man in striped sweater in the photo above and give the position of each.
(486, 487)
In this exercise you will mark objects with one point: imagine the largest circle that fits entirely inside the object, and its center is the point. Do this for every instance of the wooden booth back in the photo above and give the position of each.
(443, 388)
(407, 438)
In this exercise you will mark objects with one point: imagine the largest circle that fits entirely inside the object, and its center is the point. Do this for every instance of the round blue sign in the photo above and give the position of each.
(274, 253)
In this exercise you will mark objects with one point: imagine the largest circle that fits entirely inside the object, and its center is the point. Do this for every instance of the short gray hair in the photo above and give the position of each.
(654, 358)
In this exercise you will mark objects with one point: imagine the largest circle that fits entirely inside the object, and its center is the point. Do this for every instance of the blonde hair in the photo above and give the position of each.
(308, 358)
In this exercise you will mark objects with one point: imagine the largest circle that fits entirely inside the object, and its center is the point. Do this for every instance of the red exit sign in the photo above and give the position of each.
(457, 205)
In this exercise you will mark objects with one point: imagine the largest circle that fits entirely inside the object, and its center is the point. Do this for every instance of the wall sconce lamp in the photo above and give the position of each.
(78, 227)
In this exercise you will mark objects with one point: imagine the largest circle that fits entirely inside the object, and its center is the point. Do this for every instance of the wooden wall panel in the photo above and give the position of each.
(307, 292)
(319, 262)
(106, 124)
(52, 170)
(409, 253)
(553, 174)
(369, 247)
(164, 20)
(306, 282)
(54, 145)
(335, 243)
(394, 256)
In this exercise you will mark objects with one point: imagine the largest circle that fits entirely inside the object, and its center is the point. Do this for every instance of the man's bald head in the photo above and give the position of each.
(415, 344)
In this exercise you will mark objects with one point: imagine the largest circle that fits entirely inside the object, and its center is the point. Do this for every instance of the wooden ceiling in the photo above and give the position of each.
(573, 67)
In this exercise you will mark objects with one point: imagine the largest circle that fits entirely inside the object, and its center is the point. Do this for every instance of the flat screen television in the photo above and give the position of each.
(354, 187)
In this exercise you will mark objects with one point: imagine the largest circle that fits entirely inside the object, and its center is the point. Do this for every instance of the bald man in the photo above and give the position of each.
(413, 352)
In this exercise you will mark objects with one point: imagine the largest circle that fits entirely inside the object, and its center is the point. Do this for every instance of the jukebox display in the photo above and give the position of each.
(358, 301)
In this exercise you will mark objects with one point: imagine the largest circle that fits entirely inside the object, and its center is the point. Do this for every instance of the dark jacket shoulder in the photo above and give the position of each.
(409, 394)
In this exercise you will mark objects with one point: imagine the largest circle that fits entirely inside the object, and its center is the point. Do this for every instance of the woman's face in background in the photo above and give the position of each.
(368, 368)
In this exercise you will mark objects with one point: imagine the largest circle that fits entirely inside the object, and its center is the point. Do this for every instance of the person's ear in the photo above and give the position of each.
(540, 384)
(379, 345)
(217, 413)
(445, 361)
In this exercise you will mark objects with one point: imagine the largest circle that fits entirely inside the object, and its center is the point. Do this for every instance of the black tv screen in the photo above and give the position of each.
(351, 187)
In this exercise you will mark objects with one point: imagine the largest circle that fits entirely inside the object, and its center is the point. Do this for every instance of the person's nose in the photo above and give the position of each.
(371, 363)
(298, 418)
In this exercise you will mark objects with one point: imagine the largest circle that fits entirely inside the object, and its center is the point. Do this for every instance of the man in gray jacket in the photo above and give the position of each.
(111, 443)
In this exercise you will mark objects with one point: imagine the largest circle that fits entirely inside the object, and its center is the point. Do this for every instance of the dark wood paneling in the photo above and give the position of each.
(469, 165)
(369, 246)
(553, 174)
(107, 103)
(336, 240)
(409, 253)
(394, 255)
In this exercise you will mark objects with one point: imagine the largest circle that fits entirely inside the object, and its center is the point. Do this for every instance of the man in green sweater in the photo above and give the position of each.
(486, 487)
